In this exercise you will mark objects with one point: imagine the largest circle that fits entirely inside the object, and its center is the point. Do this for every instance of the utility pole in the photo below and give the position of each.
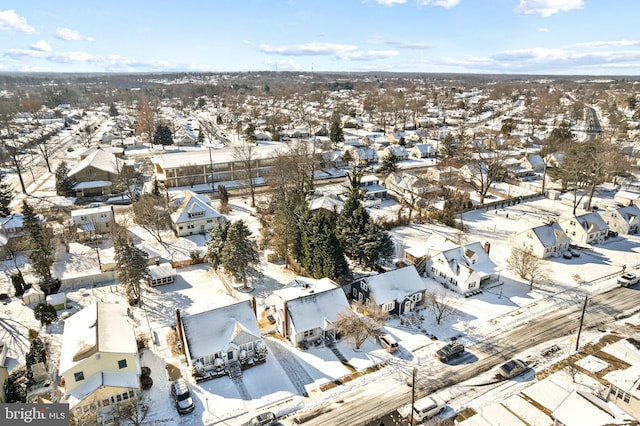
(584, 308)
(413, 393)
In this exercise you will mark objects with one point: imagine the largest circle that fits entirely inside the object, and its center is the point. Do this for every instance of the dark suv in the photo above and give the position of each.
(450, 350)
(182, 396)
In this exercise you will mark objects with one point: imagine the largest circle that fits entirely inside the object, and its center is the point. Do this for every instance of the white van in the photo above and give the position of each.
(427, 407)
(389, 343)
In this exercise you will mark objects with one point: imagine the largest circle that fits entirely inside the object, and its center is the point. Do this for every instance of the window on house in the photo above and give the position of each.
(364, 286)
(307, 333)
(122, 363)
(78, 376)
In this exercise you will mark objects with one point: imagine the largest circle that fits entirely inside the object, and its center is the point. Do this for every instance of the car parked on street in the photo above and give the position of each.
(450, 350)
(263, 419)
(512, 368)
(627, 279)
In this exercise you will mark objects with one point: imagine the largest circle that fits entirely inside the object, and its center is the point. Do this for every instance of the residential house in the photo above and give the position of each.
(463, 268)
(623, 220)
(99, 361)
(96, 174)
(442, 175)
(194, 215)
(223, 339)
(423, 150)
(371, 189)
(474, 173)
(588, 228)
(533, 161)
(117, 151)
(544, 241)
(92, 221)
(410, 188)
(331, 159)
(398, 292)
(361, 155)
(578, 199)
(399, 151)
(306, 309)
(326, 201)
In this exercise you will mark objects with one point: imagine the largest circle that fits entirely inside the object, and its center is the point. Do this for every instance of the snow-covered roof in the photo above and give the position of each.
(327, 201)
(176, 160)
(11, 222)
(98, 328)
(433, 241)
(627, 195)
(311, 303)
(212, 331)
(583, 409)
(395, 285)
(464, 255)
(592, 222)
(163, 270)
(101, 160)
(92, 184)
(194, 207)
(546, 393)
(104, 379)
(528, 412)
(91, 211)
(549, 234)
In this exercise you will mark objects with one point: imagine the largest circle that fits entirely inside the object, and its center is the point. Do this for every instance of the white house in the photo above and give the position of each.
(306, 309)
(371, 188)
(623, 220)
(462, 268)
(226, 337)
(626, 198)
(91, 221)
(588, 228)
(397, 292)
(544, 241)
(423, 150)
(194, 215)
(399, 151)
(533, 161)
(409, 187)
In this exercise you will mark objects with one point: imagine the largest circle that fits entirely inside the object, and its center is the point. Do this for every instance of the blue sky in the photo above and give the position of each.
(576, 37)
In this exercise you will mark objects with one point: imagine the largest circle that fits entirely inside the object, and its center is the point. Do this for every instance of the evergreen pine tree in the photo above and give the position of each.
(389, 164)
(322, 255)
(6, 196)
(40, 241)
(64, 184)
(239, 255)
(37, 353)
(335, 130)
(131, 263)
(162, 135)
(113, 111)
(217, 240)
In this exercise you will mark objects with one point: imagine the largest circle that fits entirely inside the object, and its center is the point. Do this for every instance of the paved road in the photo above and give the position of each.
(366, 405)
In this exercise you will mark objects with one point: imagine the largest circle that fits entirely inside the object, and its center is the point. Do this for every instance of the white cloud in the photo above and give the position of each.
(68, 34)
(546, 8)
(284, 65)
(447, 4)
(308, 49)
(404, 44)
(390, 2)
(543, 30)
(614, 43)
(369, 55)
(10, 20)
(41, 45)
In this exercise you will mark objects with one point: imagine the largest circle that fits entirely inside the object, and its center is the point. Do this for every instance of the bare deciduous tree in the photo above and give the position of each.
(152, 214)
(361, 321)
(438, 303)
(245, 155)
(527, 265)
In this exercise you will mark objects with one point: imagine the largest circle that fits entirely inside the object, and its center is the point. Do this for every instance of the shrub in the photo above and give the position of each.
(145, 371)
(146, 382)
(45, 313)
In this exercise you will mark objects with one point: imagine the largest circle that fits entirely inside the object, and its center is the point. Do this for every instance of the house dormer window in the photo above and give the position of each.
(196, 214)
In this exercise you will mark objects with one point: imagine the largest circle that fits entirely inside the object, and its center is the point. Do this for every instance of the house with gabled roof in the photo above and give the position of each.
(532, 161)
(588, 228)
(462, 268)
(410, 187)
(99, 361)
(226, 338)
(544, 241)
(398, 292)
(306, 309)
(423, 150)
(194, 214)
(623, 220)
(92, 221)
(97, 173)
(398, 151)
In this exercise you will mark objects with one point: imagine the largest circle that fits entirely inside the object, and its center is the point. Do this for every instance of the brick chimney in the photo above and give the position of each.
(487, 247)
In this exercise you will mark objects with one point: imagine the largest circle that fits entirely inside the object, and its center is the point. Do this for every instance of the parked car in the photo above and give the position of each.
(567, 255)
(263, 419)
(450, 350)
(574, 253)
(612, 234)
(427, 407)
(512, 368)
(389, 343)
(627, 279)
(182, 396)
